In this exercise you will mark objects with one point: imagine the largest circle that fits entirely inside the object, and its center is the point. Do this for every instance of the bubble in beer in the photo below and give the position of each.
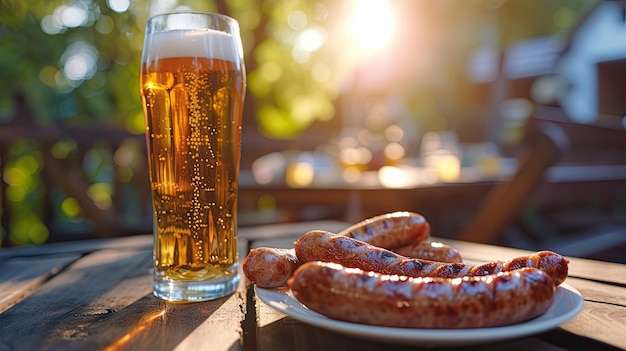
(193, 83)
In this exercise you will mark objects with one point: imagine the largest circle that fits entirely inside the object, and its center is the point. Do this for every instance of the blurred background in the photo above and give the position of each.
(500, 121)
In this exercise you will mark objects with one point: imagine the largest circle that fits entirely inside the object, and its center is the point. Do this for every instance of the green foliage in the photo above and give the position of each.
(76, 63)
(291, 87)
(103, 46)
(24, 194)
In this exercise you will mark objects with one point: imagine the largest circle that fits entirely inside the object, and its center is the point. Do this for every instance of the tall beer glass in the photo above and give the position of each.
(192, 87)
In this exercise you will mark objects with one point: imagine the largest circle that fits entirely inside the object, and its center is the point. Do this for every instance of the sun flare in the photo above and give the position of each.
(371, 24)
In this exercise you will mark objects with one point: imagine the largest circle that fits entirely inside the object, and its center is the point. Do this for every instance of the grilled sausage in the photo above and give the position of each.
(354, 295)
(390, 230)
(432, 251)
(324, 246)
(270, 267)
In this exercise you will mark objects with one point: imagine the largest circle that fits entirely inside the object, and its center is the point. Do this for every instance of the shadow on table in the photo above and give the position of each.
(149, 324)
(103, 301)
(278, 336)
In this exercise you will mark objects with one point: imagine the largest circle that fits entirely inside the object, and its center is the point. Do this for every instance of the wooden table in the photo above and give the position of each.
(97, 295)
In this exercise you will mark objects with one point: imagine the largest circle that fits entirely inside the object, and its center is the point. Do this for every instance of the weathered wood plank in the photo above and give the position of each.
(62, 309)
(21, 276)
(600, 321)
(153, 324)
(277, 332)
(289, 230)
(104, 301)
(604, 314)
(81, 246)
(600, 292)
(578, 267)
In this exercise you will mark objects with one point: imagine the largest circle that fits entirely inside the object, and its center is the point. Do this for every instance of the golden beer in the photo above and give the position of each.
(192, 88)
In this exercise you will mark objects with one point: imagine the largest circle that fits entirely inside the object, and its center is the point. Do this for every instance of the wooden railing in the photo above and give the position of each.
(102, 171)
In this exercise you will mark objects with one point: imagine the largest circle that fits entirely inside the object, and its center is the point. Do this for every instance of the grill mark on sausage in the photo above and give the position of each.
(359, 296)
(325, 246)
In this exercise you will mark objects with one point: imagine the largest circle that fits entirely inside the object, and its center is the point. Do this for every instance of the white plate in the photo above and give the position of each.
(566, 304)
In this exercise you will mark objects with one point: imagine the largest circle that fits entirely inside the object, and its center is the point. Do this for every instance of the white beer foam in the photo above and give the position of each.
(192, 43)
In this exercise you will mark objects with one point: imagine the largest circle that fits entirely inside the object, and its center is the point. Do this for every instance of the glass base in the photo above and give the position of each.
(182, 291)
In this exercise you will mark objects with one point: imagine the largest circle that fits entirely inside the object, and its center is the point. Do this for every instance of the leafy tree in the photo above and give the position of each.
(291, 84)
(73, 63)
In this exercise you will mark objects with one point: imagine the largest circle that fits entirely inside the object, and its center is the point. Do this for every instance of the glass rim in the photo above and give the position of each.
(226, 18)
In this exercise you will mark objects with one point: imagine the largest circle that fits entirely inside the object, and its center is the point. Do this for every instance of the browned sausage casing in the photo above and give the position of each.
(354, 295)
(270, 267)
(432, 251)
(319, 245)
(390, 230)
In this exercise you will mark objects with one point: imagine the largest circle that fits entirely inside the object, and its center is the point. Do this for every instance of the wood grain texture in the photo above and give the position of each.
(280, 333)
(289, 230)
(97, 295)
(20, 277)
(603, 317)
(82, 246)
(62, 309)
(578, 267)
(104, 301)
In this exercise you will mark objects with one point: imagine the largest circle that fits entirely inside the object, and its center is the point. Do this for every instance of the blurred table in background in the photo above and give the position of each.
(449, 207)
(568, 189)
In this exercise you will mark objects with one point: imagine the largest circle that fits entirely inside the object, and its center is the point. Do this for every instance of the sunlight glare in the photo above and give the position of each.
(372, 24)
(299, 174)
(80, 62)
(72, 16)
(119, 6)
